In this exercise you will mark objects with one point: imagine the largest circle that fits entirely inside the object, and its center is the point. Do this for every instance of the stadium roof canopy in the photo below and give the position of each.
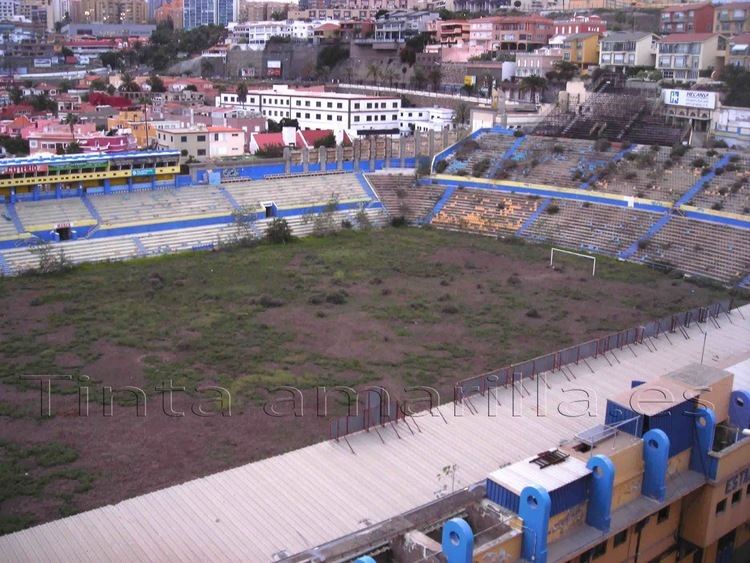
(84, 157)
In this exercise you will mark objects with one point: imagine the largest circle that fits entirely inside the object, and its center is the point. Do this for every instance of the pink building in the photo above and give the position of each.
(580, 24)
(52, 142)
(510, 33)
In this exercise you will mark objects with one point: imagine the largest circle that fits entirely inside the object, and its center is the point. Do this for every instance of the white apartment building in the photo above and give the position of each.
(354, 113)
(253, 36)
(619, 50)
(425, 119)
(683, 56)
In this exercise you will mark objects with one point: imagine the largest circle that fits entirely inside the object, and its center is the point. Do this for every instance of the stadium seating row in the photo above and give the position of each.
(403, 197)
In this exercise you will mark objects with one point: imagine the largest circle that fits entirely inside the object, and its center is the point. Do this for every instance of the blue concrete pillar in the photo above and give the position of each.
(600, 494)
(12, 196)
(107, 185)
(153, 182)
(458, 541)
(58, 190)
(35, 193)
(130, 183)
(534, 508)
(739, 409)
(703, 440)
(655, 460)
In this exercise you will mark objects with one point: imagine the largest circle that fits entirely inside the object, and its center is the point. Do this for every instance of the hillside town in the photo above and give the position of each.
(222, 80)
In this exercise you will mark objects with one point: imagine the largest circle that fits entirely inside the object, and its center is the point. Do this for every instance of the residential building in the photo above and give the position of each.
(450, 33)
(425, 119)
(253, 36)
(621, 49)
(316, 109)
(9, 9)
(732, 18)
(580, 24)
(253, 11)
(204, 12)
(581, 49)
(539, 62)
(99, 30)
(738, 53)
(292, 138)
(115, 11)
(190, 141)
(685, 56)
(510, 33)
(687, 18)
(170, 10)
(225, 141)
(397, 27)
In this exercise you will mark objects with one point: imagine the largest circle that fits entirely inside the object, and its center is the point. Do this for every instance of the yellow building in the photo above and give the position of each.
(581, 49)
(143, 127)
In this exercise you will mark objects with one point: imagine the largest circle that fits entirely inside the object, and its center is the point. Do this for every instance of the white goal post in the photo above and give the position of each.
(552, 257)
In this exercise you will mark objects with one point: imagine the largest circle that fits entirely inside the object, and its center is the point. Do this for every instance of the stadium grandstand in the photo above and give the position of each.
(608, 472)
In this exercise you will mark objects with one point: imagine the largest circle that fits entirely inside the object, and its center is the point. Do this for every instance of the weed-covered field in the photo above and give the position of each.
(396, 307)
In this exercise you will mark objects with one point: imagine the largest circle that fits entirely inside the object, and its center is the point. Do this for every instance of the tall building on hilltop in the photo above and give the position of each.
(205, 12)
(113, 11)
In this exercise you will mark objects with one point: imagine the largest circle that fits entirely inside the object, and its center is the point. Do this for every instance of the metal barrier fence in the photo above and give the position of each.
(591, 349)
(379, 410)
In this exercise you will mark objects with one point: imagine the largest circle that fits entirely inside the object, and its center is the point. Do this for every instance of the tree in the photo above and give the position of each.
(112, 59)
(278, 16)
(64, 85)
(74, 148)
(329, 141)
(373, 70)
(461, 114)
(207, 68)
(435, 76)
(381, 14)
(279, 231)
(15, 94)
(128, 83)
(242, 92)
(532, 84)
(98, 84)
(388, 75)
(66, 52)
(737, 81)
(156, 83)
(419, 78)
(71, 119)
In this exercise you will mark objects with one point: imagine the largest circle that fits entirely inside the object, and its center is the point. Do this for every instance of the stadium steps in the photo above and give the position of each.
(13, 216)
(403, 197)
(9, 226)
(48, 212)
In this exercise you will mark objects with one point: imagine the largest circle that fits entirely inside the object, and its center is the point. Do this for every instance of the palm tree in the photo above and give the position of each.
(128, 83)
(389, 74)
(419, 78)
(242, 92)
(373, 70)
(71, 119)
(533, 84)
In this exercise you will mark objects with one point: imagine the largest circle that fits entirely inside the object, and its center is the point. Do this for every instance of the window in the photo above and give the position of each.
(369, 105)
(317, 116)
(586, 556)
(307, 116)
(329, 104)
(736, 496)
(201, 152)
(356, 118)
(183, 139)
(721, 506)
(299, 102)
(338, 105)
(369, 118)
(330, 117)
(338, 118)
(356, 106)
(216, 136)
(394, 117)
(599, 550)
(317, 104)
(620, 538)
(662, 515)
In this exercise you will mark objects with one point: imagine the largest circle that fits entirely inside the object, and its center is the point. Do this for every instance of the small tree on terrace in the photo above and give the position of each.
(242, 92)
(435, 76)
(533, 84)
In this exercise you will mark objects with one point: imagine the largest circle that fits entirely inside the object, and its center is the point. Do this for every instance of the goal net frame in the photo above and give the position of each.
(563, 251)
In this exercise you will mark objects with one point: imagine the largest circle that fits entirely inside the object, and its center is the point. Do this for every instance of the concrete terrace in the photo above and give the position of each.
(294, 502)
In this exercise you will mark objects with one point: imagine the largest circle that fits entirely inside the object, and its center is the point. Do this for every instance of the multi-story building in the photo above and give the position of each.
(732, 18)
(170, 10)
(621, 49)
(8, 9)
(253, 11)
(539, 62)
(425, 119)
(114, 11)
(687, 18)
(738, 53)
(254, 36)
(202, 142)
(205, 12)
(38, 12)
(314, 109)
(450, 33)
(581, 49)
(141, 31)
(685, 56)
(510, 33)
(399, 26)
(580, 24)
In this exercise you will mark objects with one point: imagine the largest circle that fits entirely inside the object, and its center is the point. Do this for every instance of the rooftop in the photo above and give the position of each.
(688, 37)
(254, 511)
(685, 7)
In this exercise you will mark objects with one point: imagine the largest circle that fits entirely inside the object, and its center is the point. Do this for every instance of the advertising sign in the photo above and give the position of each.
(273, 68)
(690, 99)
(143, 171)
(23, 168)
